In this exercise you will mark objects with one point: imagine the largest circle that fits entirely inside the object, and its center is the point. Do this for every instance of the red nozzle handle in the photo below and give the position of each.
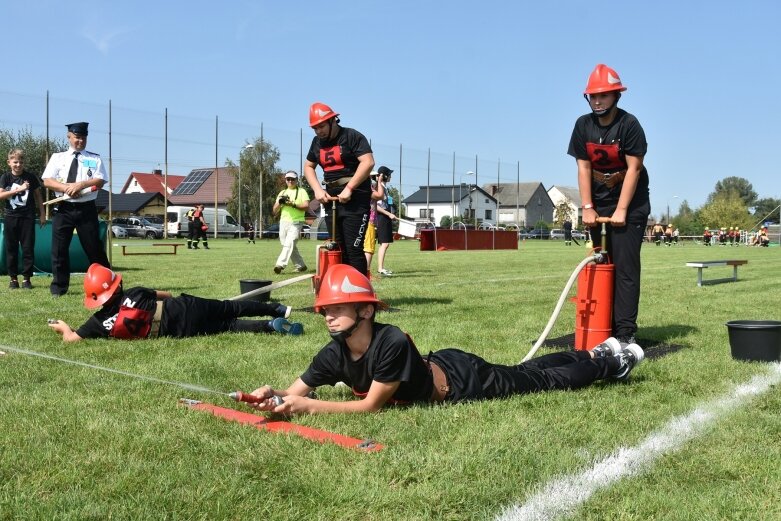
(605, 220)
(245, 397)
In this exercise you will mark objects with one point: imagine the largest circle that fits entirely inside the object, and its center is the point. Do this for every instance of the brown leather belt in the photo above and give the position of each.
(610, 180)
(338, 182)
(441, 387)
(155, 329)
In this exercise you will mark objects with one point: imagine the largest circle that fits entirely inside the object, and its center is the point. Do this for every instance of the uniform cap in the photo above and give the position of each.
(384, 170)
(79, 129)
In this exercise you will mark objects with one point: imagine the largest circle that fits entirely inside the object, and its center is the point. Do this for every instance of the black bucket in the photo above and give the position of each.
(755, 340)
(247, 285)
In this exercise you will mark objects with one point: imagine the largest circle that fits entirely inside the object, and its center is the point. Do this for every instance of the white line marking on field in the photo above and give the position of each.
(563, 496)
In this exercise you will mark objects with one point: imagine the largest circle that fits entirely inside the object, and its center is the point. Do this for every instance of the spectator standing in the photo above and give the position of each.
(198, 228)
(567, 232)
(291, 205)
(16, 187)
(385, 218)
(79, 174)
(370, 241)
(346, 158)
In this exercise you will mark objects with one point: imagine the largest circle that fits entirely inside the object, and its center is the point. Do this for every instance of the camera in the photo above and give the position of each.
(284, 199)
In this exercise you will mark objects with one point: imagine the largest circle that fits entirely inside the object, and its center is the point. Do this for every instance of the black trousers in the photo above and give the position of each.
(187, 315)
(83, 217)
(19, 230)
(472, 378)
(623, 246)
(350, 233)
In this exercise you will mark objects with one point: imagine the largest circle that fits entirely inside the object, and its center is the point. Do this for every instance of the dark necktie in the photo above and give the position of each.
(74, 169)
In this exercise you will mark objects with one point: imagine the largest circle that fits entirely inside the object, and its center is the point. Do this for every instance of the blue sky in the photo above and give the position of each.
(498, 80)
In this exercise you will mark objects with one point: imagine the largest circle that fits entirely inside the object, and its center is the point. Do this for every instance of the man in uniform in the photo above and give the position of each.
(198, 229)
(346, 158)
(79, 174)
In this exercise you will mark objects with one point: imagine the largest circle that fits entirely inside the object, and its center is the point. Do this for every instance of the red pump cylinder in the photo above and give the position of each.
(325, 259)
(594, 303)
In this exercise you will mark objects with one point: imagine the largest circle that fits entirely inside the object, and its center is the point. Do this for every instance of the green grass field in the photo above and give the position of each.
(78, 443)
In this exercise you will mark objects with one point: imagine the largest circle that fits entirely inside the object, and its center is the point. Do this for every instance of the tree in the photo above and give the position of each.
(726, 209)
(767, 209)
(257, 161)
(741, 186)
(445, 222)
(562, 212)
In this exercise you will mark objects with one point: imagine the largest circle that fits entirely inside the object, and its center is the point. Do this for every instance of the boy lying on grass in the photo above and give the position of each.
(144, 313)
(382, 365)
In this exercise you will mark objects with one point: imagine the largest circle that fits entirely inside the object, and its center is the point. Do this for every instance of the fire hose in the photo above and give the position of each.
(596, 258)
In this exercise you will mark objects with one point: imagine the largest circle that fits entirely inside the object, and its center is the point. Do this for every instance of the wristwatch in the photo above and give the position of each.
(588, 206)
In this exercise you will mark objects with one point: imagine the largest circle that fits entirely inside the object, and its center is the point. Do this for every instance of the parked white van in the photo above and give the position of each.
(179, 226)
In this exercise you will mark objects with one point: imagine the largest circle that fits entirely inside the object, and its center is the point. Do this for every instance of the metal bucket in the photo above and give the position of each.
(247, 285)
(755, 340)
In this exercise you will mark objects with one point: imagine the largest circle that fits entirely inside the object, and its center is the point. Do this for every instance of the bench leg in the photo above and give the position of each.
(735, 273)
(699, 277)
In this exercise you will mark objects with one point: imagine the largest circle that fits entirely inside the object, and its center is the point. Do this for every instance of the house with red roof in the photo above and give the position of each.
(146, 183)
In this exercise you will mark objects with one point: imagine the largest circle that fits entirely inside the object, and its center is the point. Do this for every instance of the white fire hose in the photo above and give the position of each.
(595, 258)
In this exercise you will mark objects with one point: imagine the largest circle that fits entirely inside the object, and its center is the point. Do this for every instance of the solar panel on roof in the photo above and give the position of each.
(192, 182)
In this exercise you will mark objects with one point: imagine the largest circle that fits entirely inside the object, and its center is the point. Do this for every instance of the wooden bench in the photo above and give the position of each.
(171, 245)
(709, 264)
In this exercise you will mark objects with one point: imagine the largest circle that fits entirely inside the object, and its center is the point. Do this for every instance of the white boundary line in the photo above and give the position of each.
(563, 496)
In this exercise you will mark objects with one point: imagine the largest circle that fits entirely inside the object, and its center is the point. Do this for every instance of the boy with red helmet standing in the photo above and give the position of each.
(609, 145)
(346, 158)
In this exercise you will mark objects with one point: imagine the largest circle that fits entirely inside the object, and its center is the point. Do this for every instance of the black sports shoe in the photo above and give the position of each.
(626, 339)
(26, 284)
(14, 284)
(283, 311)
(278, 269)
(629, 357)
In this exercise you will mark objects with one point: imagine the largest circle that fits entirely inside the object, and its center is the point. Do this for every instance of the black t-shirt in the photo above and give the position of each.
(624, 136)
(338, 158)
(102, 322)
(24, 202)
(391, 357)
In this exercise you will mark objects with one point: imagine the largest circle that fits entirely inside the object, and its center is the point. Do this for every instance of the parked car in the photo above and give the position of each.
(118, 232)
(272, 232)
(559, 234)
(321, 235)
(137, 226)
(179, 226)
(537, 233)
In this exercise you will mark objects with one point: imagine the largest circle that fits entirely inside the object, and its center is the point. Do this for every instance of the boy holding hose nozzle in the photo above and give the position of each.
(383, 366)
(609, 145)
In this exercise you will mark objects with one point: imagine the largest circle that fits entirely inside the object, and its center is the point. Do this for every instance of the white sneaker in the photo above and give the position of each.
(631, 356)
(610, 347)
(385, 272)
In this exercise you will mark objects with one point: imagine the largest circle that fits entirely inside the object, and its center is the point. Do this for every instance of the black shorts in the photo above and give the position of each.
(384, 229)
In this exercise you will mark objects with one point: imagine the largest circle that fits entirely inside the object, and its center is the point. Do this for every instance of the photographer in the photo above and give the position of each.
(384, 221)
(291, 204)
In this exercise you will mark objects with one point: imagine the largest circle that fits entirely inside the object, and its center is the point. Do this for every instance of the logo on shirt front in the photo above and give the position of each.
(349, 287)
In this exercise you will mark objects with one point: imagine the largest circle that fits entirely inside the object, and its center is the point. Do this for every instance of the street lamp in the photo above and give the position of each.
(668, 208)
(460, 197)
(245, 147)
